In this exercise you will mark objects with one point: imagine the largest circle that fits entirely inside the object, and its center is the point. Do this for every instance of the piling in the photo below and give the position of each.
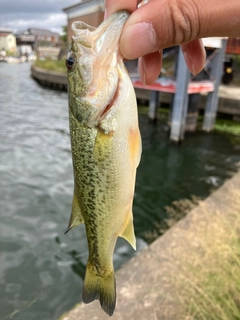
(212, 99)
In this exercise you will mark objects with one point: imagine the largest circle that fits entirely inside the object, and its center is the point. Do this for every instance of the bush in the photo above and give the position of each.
(51, 65)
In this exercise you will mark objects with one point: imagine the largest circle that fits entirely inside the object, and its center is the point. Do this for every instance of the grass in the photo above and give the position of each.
(213, 290)
(228, 126)
(211, 286)
(51, 65)
(221, 125)
(206, 275)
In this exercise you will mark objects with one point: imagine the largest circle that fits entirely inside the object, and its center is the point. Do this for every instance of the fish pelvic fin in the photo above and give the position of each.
(128, 233)
(76, 217)
(100, 287)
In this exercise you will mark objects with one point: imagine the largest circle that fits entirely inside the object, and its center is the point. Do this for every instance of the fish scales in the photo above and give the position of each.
(106, 149)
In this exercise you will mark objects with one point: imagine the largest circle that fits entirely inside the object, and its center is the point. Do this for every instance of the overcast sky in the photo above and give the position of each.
(23, 14)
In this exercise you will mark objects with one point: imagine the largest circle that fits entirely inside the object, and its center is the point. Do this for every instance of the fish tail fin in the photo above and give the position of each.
(101, 287)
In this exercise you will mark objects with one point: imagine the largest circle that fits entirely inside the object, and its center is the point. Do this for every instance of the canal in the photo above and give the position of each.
(41, 269)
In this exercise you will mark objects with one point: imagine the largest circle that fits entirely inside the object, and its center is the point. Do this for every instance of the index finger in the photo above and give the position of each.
(112, 6)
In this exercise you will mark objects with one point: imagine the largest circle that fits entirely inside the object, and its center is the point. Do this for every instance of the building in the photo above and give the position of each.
(233, 46)
(7, 41)
(88, 11)
(38, 38)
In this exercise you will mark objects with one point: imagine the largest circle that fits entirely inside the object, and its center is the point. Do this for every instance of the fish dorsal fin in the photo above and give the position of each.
(128, 233)
(76, 215)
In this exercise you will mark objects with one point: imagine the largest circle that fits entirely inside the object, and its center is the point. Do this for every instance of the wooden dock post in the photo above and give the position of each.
(180, 101)
(212, 99)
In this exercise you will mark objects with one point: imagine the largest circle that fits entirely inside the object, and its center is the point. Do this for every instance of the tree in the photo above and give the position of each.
(64, 35)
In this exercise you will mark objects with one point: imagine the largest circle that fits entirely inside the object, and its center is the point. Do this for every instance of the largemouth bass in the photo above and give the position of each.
(106, 150)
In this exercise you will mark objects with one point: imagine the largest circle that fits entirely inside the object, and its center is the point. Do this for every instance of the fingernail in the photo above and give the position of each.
(105, 11)
(141, 68)
(189, 62)
(105, 14)
(138, 40)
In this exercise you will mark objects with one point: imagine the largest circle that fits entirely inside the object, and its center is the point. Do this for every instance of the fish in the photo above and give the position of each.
(106, 149)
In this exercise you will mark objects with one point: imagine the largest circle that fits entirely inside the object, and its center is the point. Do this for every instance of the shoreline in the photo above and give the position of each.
(146, 285)
(52, 79)
(229, 96)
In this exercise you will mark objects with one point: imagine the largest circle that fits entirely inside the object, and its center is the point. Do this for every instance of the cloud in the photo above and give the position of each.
(23, 14)
(27, 6)
(53, 21)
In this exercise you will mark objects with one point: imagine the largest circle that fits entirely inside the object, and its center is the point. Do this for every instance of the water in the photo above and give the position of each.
(41, 269)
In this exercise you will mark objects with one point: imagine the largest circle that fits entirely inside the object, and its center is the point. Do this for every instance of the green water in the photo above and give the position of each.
(41, 269)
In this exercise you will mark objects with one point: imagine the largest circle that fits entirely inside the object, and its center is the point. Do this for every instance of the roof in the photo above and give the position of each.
(42, 32)
(37, 32)
(5, 30)
(4, 34)
(85, 7)
(75, 5)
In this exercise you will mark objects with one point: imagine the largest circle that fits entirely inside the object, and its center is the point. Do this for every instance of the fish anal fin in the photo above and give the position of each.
(101, 287)
(76, 217)
(128, 233)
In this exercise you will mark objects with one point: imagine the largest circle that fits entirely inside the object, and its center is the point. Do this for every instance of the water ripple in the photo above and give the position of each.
(41, 269)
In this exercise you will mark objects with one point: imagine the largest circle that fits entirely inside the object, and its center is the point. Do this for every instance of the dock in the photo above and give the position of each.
(184, 89)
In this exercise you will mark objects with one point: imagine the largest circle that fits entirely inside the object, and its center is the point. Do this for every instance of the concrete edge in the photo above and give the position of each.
(146, 287)
(229, 97)
(49, 78)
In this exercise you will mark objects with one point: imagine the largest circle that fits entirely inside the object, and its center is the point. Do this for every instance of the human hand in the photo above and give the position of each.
(164, 23)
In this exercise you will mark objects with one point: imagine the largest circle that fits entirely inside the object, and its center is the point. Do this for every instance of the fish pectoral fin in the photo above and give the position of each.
(135, 146)
(128, 233)
(76, 217)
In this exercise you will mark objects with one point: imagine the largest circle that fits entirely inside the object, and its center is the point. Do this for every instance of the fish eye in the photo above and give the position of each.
(70, 61)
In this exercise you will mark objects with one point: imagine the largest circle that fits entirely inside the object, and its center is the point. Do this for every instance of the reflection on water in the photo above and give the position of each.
(41, 269)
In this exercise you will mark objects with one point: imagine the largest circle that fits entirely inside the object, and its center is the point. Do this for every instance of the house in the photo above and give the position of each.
(38, 38)
(88, 11)
(7, 41)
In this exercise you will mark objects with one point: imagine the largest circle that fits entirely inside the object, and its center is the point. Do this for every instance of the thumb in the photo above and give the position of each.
(163, 23)
(156, 25)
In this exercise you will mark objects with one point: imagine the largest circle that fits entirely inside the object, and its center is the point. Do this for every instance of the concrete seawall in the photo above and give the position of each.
(147, 285)
(229, 101)
(49, 78)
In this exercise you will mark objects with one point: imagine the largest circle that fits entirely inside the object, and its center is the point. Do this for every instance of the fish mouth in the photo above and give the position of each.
(97, 37)
(98, 59)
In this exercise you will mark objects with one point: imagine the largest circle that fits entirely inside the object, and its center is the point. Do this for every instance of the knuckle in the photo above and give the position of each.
(185, 20)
